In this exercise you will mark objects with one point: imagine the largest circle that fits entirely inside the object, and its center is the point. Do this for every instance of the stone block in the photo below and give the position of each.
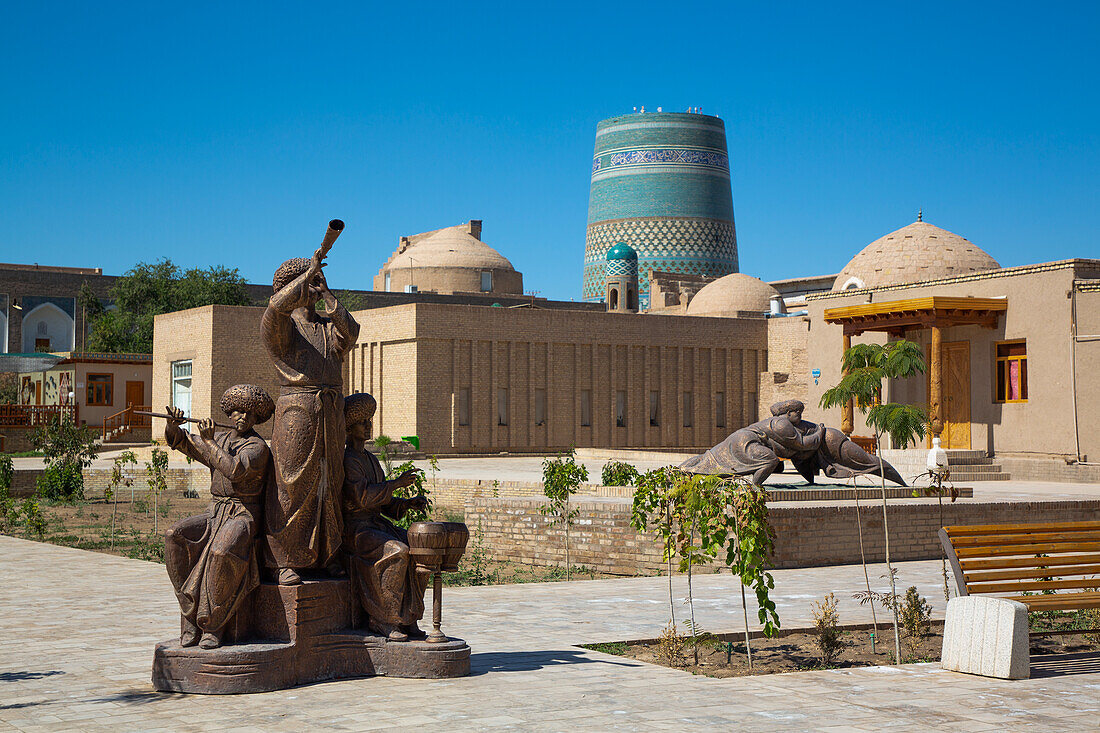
(986, 636)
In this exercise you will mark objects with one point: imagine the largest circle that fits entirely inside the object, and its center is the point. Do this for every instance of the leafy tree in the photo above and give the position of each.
(9, 388)
(866, 366)
(157, 471)
(147, 290)
(560, 478)
(67, 450)
(617, 473)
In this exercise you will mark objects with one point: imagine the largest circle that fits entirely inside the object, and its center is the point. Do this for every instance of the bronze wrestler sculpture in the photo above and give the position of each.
(389, 584)
(303, 521)
(211, 557)
(759, 450)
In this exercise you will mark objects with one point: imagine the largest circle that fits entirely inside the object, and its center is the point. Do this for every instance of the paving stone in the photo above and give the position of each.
(86, 624)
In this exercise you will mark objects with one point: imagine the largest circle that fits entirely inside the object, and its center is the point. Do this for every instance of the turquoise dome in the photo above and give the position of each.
(622, 251)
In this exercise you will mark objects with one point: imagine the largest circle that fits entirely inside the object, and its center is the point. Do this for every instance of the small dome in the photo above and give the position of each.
(451, 247)
(622, 251)
(917, 252)
(730, 294)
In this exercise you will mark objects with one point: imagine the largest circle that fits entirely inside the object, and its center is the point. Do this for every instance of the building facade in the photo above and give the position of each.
(661, 184)
(470, 379)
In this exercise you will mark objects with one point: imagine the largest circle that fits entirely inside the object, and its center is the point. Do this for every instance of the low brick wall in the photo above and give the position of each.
(1048, 469)
(17, 440)
(24, 481)
(807, 536)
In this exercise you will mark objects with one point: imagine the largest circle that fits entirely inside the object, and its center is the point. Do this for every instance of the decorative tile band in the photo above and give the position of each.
(661, 156)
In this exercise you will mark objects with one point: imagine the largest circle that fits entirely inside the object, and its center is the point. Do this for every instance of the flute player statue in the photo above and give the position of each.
(211, 557)
(304, 526)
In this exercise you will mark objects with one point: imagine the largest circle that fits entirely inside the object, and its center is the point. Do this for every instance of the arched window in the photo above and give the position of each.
(614, 299)
(48, 328)
(853, 283)
(631, 299)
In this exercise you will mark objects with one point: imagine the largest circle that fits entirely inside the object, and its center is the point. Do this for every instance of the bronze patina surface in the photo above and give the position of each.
(313, 506)
(759, 449)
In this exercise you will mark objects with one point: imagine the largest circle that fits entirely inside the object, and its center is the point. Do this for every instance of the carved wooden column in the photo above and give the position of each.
(847, 423)
(935, 383)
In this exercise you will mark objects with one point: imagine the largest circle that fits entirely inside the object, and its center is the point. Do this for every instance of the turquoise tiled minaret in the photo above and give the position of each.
(621, 279)
(661, 184)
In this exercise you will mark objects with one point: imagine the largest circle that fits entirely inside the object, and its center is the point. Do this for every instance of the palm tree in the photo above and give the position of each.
(865, 368)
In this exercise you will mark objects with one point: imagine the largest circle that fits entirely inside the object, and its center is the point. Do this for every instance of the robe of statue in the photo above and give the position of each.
(390, 587)
(211, 557)
(303, 520)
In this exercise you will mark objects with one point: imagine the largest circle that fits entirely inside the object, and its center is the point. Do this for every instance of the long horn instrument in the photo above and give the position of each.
(334, 228)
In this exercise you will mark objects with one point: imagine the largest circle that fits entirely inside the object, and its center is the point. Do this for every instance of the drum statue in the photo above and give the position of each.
(437, 546)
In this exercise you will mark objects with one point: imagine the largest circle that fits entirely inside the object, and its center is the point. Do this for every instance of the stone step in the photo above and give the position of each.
(958, 476)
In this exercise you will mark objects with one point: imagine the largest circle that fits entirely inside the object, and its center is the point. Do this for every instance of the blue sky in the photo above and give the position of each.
(230, 135)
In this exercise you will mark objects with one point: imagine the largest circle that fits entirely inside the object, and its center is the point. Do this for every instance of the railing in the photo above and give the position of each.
(33, 416)
(117, 425)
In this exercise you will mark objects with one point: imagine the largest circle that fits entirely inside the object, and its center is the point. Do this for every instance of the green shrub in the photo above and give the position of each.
(617, 473)
(7, 471)
(915, 617)
(61, 481)
(826, 629)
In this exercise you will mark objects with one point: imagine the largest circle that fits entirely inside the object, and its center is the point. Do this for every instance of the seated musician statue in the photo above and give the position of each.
(390, 586)
(212, 557)
(759, 449)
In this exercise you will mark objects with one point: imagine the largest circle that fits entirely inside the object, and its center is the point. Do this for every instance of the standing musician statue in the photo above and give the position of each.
(304, 525)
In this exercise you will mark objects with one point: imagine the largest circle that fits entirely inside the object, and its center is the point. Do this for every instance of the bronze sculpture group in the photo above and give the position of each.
(314, 508)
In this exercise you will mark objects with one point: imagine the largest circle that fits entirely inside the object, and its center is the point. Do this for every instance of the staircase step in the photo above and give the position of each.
(959, 476)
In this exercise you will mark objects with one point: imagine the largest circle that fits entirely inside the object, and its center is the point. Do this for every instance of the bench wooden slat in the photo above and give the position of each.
(1030, 572)
(992, 551)
(1089, 583)
(961, 530)
(1025, 562)
(1026, 539)
(1059, 601)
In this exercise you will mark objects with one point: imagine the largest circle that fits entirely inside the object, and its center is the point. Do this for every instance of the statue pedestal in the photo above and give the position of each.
(301, 634)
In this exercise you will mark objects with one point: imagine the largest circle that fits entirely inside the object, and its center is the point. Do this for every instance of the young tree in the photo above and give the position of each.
(147, 290)
(67, 450)
(560, 478)
(866, 367)
(157, 471)
(119, 477)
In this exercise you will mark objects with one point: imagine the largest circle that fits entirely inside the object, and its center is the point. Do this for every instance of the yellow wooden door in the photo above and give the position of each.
(956, 395)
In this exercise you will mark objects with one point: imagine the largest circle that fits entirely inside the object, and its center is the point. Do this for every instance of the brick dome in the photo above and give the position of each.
(730, 294)
(920, 251)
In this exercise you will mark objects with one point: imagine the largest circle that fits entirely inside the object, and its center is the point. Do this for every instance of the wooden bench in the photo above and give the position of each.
(1058, 562)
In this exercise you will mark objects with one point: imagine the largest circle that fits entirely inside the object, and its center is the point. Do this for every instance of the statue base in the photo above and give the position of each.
(297, 635)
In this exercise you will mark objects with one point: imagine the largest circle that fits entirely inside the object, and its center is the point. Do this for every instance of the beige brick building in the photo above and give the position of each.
(475, 379)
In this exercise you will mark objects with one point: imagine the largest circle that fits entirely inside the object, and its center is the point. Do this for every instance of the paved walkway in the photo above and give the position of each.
(77, 631)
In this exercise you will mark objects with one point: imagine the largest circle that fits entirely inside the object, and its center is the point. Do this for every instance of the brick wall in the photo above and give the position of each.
(1056, 469)
(788, 373)
(96, 480)
(807, 536)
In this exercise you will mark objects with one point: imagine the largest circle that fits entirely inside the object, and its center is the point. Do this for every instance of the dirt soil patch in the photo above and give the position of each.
(796, 650)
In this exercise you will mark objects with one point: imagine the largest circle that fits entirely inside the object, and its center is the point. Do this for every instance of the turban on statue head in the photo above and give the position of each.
(287, 271)
(248, 398)
(782, 408)
(359, 408)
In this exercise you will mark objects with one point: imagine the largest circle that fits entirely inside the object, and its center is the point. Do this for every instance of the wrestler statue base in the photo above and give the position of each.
(262, 577)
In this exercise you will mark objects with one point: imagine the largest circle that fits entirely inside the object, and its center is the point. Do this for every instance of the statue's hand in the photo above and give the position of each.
(176, 418)
(206, 429)
(317, 262)
(418, 502)
(408, 478)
